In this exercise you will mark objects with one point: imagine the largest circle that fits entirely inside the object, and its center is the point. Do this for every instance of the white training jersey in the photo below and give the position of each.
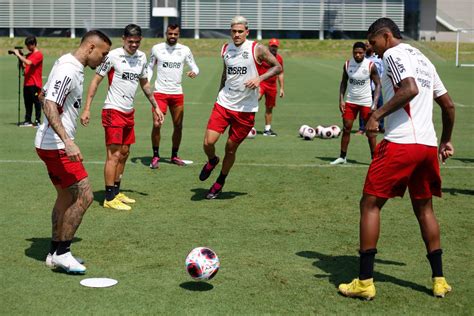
(64, 87)
(412, 124)
(124, 72)
(358, 85)
(169, 61)
(241, 66)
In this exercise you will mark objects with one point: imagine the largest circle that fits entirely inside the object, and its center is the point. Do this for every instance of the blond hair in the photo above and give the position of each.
(239, 20)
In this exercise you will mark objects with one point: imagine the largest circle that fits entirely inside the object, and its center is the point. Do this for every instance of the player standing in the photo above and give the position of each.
(407, 156)
(126, 67)
(237, 100)
(357, 74)
(269, 87)
(55, 146)
(169, 58)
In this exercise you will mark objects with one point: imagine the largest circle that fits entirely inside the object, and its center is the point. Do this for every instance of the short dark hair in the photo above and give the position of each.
(173, 26)
(30, 40)
(359, 45)
(97, 33)
(385, 23)
(132, 30)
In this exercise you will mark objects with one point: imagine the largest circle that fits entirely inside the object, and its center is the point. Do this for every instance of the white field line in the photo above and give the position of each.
(268, 165)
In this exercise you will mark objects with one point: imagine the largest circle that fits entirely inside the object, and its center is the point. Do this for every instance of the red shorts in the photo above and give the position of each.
(165, 100)
(240, 122)
(270, 93)
(119, 127)
(61, 170)
(396, 166)
(350, 113)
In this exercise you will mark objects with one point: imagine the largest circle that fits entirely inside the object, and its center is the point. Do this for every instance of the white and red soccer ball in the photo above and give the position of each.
(309, 133)
(202, 263)
(252, 134)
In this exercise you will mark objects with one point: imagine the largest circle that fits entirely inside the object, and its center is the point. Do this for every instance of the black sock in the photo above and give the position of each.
(174, 152)
(109, 192)
(116, 187)
(54, 246)
(343, 154)
(366, 264)
(214, 161)
(436, 263)
(63, 247)
(221, 178)
(156, 151)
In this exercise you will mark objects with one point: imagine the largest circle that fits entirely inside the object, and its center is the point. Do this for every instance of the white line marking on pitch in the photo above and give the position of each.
(270, 165)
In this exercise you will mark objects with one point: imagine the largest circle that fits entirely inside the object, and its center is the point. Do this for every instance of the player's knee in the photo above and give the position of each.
(178, 126)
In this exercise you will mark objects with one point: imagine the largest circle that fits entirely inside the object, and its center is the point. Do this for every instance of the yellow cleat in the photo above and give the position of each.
(116, 204)
(124, 199)
(440, 287)
(364, 289)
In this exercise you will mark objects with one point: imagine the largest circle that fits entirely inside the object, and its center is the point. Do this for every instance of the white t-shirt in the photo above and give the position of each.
(358, 85)
(124, 72)
(64, 87)
(241, 65)
(412, 124)
(169, 61)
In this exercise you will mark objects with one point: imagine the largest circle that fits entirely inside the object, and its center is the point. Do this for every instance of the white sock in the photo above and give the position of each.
(268, 127)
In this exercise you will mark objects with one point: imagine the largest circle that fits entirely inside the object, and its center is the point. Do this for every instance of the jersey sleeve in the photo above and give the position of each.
(151, 65)
(191, 63)
(60, 85)
(438, 86)
(398, 66)
(105, 67)
(36, 58)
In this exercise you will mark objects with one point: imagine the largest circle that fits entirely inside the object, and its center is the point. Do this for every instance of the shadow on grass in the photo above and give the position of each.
(200, 194)
(99, 196)
(454, 191)
(465, 160)
(355, 162)
(196, 286)
(341, 269)
(40, 246)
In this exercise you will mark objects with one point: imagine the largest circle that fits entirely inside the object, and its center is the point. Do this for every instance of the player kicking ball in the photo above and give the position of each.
(237, 100)
(126, 68)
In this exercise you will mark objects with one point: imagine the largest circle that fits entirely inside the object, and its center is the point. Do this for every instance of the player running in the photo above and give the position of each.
(55, 146)
(126, 67)
(408, 155)
(357, 74)
(237, 100)
(268, 88)
(169, 59)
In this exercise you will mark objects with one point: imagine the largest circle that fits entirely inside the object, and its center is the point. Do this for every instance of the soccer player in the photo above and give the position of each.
(126, 67)
(33, 72)
(357, 73)
(56, 147)
(237, 100)
(408, 155)
(169, 58)
(268, 88)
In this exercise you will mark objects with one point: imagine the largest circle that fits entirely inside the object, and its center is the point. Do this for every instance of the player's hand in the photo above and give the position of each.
(371, 127)
(158, 117)
(282, 93)
(445, 151)
(342, 106)
(85, 117)
(252, 83)
(72, 151)
(191, 74)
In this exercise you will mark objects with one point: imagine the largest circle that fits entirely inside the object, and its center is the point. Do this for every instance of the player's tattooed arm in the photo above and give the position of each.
(223, 77)
(263, 54)
(51, 112)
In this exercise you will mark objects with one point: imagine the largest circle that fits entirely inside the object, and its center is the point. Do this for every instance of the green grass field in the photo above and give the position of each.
(285, 227)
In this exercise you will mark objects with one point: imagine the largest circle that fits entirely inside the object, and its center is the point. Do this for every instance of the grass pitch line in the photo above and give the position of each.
(269, 165)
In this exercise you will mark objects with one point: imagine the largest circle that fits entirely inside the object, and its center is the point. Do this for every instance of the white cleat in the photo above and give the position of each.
(339, 161)
(49, 261)
(68, 263)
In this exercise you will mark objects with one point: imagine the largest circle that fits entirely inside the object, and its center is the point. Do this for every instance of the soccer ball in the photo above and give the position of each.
(318, 130)
(336, 130)
(309, 133)
(252, 133)
(327, 133)
(202, 263)
(302, 129)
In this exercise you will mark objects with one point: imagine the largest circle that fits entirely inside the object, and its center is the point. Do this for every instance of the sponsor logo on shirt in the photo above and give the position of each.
(236, 70)
(357, 82)
(77, 103)
(171, 64)
(129, 76)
